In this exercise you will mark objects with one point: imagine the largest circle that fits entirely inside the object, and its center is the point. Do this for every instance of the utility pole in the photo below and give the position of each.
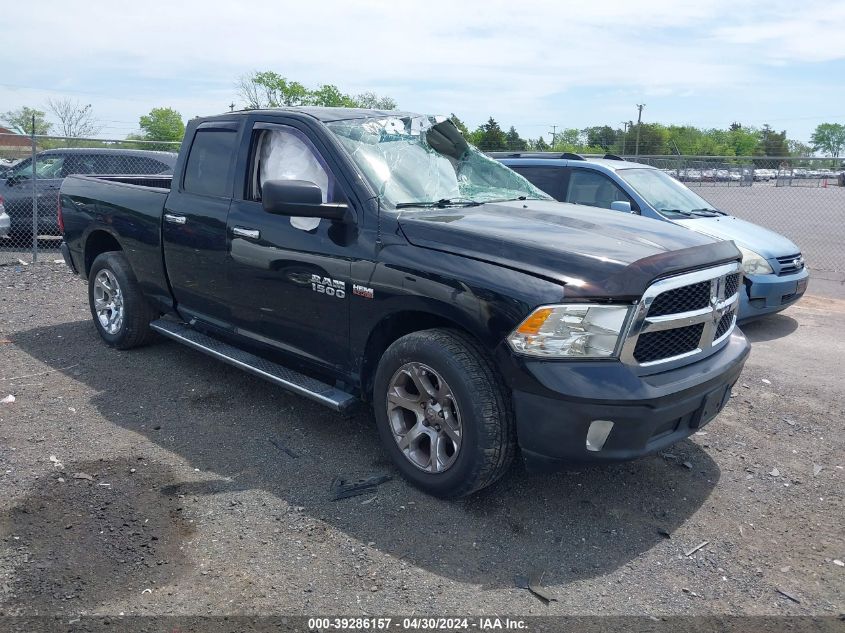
(624, 134)
(232, 107)
(554, 135)
(640, 107)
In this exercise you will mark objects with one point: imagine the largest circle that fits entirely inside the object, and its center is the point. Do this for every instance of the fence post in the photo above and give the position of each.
(34, 200)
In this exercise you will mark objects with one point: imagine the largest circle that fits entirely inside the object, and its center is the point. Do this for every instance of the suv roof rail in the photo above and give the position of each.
(566, 155)
(613, 157)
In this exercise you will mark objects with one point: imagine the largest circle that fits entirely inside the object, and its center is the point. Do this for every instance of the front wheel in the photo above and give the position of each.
(120, 310)
(443, 413)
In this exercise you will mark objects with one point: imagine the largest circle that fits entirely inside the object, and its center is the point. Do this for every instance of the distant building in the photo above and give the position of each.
(14, 146)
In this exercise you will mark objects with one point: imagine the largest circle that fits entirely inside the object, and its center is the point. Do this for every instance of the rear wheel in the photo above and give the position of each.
(443, 413)
(120, 310)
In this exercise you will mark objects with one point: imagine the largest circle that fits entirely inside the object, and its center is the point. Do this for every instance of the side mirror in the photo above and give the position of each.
(621, 205)
(300, 198)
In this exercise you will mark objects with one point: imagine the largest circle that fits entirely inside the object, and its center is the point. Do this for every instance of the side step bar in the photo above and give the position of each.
(275, 373)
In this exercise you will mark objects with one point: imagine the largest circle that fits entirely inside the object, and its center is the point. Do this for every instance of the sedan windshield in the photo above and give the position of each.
(666, 194)
(420, 161)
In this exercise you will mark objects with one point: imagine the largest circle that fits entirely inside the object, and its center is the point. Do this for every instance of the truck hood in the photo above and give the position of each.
(594, 252)
(752, 236)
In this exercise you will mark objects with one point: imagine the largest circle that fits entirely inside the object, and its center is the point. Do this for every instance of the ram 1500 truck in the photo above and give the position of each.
(358, 255)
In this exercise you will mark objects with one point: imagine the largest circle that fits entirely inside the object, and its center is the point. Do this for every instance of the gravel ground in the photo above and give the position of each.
(158, 481)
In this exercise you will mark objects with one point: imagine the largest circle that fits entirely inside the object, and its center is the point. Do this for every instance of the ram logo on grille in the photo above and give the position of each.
(684, 316)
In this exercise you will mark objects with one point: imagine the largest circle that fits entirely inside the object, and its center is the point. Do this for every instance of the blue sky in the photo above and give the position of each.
(531, 65)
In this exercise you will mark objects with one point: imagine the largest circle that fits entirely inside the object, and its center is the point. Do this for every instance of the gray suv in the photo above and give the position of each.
(51, 167)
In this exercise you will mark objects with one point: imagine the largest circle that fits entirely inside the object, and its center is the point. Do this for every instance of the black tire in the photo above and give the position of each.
(134, 330)
(488, 443)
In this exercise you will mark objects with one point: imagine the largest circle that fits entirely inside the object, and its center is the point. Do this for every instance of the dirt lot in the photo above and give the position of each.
(158, 481)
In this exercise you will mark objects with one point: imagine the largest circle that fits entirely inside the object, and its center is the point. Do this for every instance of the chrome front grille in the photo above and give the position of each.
(684, 317)
(790, 264)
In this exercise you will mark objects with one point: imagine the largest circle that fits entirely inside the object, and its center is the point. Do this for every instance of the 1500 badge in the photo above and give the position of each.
(328, 286)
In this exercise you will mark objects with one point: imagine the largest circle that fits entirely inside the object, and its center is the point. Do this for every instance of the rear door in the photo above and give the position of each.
(552, 180)
(194, 224)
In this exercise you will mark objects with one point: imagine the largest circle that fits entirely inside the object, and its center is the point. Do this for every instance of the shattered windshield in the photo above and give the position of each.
(420, 161)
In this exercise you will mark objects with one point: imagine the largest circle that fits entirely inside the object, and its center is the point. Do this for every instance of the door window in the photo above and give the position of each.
(207, 169)
(548, 179)
(286, 154)
(48, 166)
(594, 189)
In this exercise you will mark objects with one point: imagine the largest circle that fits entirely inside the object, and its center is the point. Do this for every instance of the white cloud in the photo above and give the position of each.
(513, 60)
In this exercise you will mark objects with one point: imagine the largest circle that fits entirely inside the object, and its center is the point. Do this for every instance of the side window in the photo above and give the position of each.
(594, 189)
(549, 179)
(145, 165)
(208, 166)
(285, 153)
(80, 164)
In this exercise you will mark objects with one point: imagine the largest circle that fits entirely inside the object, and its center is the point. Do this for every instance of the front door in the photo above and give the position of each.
(290, 276)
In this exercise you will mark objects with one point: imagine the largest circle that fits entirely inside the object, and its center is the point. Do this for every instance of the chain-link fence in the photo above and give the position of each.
(31, 173)
(801, 198)
(737, 171)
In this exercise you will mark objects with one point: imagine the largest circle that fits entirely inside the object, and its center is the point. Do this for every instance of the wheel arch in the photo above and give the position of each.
(98, 242)
(394, 326)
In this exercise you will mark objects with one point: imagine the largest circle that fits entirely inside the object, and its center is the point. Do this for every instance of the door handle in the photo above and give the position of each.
(175, 219)
(242, 232)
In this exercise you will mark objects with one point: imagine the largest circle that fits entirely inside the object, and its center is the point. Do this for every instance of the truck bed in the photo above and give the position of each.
(150, 182)
(125, 209)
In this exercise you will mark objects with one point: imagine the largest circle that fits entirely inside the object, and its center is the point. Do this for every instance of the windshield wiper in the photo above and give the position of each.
(707, 212)
(686, 213)
(439, 204)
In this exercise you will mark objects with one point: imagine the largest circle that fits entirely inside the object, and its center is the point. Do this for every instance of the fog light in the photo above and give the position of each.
(597, 434)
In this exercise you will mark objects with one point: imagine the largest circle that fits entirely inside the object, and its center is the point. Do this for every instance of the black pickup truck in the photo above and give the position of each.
(358, 255)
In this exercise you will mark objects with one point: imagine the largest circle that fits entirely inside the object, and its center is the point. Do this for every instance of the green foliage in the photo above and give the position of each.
(375, 102)
(514, 141)
(20, 121)
(269, 89)
(489, 137)
(602, 136)
(829, 138)
(162, 124)
(772, 143)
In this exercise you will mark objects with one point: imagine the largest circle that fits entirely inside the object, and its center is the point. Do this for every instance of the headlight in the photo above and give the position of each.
(754, 263)
(578, 330)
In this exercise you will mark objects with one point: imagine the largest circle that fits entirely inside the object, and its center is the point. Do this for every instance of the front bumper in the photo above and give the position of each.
(767, 294)
(556, 402)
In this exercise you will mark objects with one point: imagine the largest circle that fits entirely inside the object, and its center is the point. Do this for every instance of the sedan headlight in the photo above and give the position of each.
(754, 263)
(577, 330)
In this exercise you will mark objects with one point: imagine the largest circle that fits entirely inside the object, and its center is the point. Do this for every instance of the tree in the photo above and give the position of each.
(567, 140)
(744, 140)
(162, 124)
(540, 145)
(268, 89)
(330, 96)
(75, 120)
(772, 143)
(20, 121)
(829, 138)
(797, 148)
(372, 100)
(490, 137)
(514, 141)
(602, 136)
